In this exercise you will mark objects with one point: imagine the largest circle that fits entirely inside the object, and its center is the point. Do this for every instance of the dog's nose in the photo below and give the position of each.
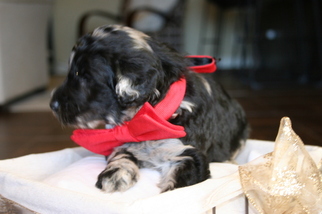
(54, 105)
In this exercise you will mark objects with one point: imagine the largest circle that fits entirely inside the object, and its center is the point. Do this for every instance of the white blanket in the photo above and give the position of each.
(63, 182)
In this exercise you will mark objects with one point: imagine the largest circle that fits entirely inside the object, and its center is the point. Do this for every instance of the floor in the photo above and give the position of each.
(27, 132)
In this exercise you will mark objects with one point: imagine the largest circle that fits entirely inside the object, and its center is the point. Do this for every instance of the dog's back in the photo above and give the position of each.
(215, 123)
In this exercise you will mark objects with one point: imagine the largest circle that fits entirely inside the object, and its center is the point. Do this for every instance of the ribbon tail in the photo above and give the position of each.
(100, 141)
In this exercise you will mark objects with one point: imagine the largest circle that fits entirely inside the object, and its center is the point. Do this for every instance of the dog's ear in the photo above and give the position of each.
(145, 76)
(137, 79)
(125, 90)
(134, 63)
(144, 68)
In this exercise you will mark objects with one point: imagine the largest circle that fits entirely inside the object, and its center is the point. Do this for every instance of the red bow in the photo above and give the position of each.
(146, 125)
(149, 123)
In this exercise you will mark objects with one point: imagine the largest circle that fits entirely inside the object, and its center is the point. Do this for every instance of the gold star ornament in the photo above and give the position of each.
(288, 180)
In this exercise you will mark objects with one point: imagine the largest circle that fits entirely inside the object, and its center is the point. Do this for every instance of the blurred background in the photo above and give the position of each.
(269, 58)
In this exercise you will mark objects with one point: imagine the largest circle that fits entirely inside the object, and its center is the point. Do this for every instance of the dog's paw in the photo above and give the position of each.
(167, 185)
(118, 176)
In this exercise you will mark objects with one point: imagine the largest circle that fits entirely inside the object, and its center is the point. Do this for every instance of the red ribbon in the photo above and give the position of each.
(149, 123)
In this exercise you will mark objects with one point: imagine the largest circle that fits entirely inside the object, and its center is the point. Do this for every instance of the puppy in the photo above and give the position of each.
(112, 72)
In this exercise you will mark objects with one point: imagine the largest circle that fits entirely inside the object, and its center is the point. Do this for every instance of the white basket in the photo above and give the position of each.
(63, 182)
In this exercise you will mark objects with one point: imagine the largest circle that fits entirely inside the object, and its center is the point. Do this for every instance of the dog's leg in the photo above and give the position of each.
(179, 165)
(121, 173)
(188, 168)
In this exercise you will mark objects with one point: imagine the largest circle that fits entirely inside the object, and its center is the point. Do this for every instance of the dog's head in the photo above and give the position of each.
(112, 72)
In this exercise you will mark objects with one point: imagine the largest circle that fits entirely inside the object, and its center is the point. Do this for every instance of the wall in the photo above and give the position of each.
(65, 21)
(23, 52)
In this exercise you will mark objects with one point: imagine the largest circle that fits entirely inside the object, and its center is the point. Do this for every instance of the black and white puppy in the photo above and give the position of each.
(112, 73)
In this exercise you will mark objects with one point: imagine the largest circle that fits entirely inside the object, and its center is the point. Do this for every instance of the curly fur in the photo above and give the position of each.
(113, 72)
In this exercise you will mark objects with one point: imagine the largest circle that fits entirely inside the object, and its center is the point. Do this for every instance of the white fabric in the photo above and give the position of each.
(63, 182)
(82, 175)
